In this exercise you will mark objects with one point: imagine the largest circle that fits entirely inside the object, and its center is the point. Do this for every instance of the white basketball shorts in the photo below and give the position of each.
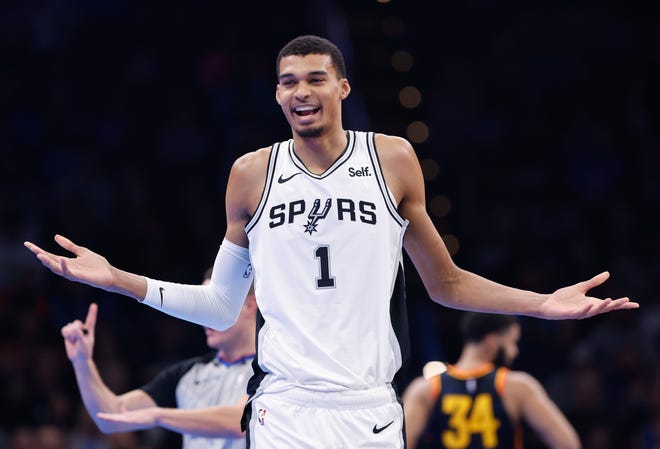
(300, 419)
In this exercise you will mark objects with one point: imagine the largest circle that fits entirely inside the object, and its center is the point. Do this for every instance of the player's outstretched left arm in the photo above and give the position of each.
(573, 301)
(454, 287)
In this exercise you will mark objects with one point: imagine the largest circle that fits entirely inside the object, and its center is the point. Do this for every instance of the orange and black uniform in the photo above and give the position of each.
(469, 413)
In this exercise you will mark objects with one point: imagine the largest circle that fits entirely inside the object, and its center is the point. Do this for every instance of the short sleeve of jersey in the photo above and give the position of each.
(162, 388)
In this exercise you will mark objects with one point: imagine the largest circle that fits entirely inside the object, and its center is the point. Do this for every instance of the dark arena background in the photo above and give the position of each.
(537, 127)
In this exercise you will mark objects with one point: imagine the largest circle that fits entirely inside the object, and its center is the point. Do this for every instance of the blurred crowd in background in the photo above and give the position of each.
(119, 122)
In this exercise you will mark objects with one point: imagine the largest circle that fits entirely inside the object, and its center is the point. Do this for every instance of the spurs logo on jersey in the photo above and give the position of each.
(314, 216)
(346, 209)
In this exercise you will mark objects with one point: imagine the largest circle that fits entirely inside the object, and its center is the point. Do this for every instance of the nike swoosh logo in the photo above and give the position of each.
(161, 290)
(282, 180)
(380, 429)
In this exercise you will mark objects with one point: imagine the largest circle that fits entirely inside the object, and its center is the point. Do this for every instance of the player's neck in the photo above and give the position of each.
(473, 357)
(232, 354)
(319, 153)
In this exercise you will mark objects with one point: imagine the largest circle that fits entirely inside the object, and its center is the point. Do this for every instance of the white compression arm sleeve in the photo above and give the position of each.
(216, 305)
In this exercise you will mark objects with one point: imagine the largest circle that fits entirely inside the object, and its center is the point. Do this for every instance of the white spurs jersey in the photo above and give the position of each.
(327, 257)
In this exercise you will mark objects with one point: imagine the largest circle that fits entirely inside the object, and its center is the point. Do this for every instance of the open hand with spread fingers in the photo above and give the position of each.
(572, 302)
(125, 420)
(86, 267)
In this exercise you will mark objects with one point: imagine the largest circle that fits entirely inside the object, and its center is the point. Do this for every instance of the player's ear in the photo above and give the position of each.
(277, 94)
(490, 340)
(345, 88)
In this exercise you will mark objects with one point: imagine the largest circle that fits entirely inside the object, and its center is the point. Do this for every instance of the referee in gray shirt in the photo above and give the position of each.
(202, 398)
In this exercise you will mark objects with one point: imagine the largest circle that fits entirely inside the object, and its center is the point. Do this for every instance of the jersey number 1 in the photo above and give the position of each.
(322, 253)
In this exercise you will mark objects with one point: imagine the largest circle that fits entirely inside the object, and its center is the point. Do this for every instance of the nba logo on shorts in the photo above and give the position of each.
(248, 271)
(261, 416)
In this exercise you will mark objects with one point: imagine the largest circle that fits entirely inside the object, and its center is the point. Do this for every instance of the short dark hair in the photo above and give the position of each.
(474, 326)
(312, 45)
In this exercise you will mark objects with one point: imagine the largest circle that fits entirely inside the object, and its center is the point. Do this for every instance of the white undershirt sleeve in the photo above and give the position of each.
(216, 305)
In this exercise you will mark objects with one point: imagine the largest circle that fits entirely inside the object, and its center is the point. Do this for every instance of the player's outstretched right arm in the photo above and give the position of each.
(216, 305)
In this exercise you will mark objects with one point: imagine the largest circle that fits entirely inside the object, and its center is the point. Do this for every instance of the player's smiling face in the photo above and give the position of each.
(310, 94)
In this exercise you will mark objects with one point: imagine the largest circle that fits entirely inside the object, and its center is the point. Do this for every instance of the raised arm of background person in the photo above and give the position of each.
(417, 407)
(525, 399)
(97, 397)
(454, 287)
(209, 422)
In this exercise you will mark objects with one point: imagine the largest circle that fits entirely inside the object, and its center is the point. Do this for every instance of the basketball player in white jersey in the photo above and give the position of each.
(319, 221)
